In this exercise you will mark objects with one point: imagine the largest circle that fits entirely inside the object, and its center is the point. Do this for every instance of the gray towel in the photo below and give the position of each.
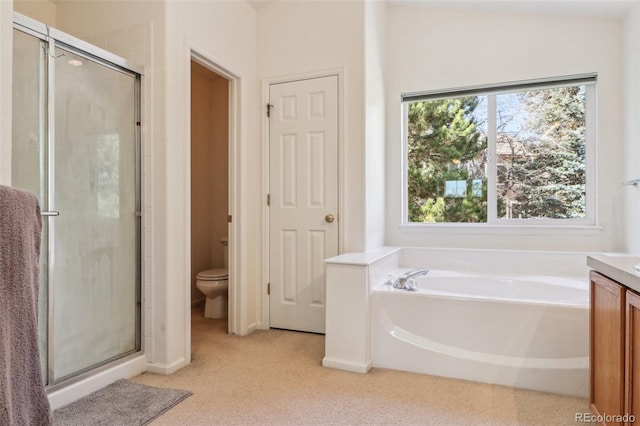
(23, 398)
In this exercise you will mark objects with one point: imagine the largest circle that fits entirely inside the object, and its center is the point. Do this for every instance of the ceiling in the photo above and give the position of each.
(608, 9)
(256, 4)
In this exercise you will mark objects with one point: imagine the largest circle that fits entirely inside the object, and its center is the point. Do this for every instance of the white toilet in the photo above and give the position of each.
(214, 284)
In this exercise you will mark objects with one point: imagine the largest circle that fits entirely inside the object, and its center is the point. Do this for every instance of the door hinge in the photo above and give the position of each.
(268, 199)
(268, 288)
(229, 218)
(269, 106)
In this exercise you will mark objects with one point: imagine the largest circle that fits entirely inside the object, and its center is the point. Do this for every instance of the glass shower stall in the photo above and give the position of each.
(76, 145)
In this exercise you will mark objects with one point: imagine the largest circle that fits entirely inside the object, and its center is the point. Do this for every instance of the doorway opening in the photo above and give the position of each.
(210, 131)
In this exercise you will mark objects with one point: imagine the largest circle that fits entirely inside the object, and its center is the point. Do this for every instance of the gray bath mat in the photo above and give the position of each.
(123, 403)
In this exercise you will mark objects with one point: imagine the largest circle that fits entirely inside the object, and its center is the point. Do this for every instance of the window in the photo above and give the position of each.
(518, 153)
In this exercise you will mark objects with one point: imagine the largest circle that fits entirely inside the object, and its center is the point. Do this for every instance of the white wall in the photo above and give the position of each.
(631, 83)
(296, 38)
(40, 10)
(434, 49)
(224, 32)
(375, 130)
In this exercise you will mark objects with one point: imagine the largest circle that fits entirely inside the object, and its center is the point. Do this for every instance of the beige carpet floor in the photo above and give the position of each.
(275, 377)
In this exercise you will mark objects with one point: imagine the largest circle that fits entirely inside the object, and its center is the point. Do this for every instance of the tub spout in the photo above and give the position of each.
(401, 281)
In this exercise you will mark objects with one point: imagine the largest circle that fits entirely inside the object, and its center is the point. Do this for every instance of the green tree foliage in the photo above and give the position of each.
(541, 158)
(445, 144)
(543, 173)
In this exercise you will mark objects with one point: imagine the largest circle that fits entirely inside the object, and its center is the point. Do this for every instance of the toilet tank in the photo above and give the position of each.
(225, 251)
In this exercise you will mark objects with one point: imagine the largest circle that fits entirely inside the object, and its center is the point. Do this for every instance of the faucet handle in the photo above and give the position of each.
(411, 285)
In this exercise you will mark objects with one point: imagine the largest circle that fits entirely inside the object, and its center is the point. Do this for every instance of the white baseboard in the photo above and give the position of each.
(342, 364)
(253, 327)
(166, 369)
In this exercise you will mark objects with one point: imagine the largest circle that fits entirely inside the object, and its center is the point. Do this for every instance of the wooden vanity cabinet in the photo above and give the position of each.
(607, 318)
(615, 350)
(632, 373)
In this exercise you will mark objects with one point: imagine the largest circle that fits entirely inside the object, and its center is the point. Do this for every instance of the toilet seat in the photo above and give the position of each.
(219, 274)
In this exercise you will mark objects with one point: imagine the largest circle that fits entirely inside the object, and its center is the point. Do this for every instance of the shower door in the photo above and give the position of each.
(94, 237)
(83, 163)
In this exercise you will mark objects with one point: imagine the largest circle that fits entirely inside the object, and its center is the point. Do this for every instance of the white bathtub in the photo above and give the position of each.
(527, 331)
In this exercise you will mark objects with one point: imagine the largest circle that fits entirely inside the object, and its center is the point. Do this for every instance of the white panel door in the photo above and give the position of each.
(303, 231)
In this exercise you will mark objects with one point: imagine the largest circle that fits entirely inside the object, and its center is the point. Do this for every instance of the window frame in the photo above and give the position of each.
(493, 221)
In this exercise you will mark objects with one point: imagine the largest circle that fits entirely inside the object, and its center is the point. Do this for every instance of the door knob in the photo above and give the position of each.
(329, 218)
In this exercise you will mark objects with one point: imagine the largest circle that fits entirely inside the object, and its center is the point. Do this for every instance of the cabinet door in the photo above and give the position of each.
(632, 405)
(607, 346)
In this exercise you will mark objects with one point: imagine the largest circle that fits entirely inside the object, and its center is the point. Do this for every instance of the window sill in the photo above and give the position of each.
(487, 229)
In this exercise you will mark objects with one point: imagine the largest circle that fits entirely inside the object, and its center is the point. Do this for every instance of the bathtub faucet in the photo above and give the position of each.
(401, 281)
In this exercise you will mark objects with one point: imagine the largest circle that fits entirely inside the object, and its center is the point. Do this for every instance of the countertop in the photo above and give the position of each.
(366, 258)
(617, 267)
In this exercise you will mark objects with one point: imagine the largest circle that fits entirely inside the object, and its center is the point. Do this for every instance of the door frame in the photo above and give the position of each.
(266, 168)
(237, 323)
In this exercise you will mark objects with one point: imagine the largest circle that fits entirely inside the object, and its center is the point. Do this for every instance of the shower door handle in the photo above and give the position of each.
(52, 213)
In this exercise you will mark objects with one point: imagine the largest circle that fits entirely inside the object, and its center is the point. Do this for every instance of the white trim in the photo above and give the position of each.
(146, 187)
(591, 135)
(499, 88)
(166, 369)
(404, 163)
(492, 163)
(237, 245)
(491, 229)
(265, 273)
(346, 365)
(186, 265)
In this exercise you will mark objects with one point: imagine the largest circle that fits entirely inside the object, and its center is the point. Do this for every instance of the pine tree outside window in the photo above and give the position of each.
(520, 153)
